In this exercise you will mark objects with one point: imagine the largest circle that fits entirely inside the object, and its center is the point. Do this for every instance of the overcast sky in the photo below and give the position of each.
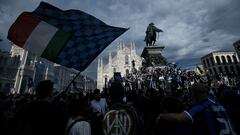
(192, 28)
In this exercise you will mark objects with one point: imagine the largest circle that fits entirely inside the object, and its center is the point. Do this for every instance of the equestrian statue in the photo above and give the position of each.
(151, 34)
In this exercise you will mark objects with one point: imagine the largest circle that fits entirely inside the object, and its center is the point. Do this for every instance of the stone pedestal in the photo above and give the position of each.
(153, 56)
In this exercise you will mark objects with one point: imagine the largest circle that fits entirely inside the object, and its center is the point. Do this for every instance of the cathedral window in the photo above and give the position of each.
(126, 60)
(127, 71)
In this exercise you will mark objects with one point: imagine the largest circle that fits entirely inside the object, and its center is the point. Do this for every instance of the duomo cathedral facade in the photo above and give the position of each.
(122, 62)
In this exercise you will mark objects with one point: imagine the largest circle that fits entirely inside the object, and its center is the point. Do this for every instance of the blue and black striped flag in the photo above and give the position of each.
(71, 38)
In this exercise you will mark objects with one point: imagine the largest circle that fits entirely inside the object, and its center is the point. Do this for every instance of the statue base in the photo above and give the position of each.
(153, 56)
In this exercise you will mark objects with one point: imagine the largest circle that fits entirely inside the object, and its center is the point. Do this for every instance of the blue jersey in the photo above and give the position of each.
(210, 118)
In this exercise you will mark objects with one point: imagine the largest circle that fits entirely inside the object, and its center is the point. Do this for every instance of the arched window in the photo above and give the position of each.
(232, 70)
(211, 60)
(220, 69)
(208, 64)
(226, 70)
(229, 59)
(234, 59)
(224, 60)
(204, 63)
(218, 60)
(126, 60)
(127, 71)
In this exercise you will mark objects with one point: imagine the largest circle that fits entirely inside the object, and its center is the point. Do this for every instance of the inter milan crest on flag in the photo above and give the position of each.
(119, 122)
(71, 38)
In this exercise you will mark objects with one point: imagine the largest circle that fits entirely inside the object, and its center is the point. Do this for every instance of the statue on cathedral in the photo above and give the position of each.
(151, 34)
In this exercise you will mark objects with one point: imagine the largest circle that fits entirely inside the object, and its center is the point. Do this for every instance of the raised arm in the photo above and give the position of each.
(176, 117)
(157, 29)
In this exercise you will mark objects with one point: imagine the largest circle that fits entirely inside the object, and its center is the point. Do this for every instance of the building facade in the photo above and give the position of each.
(122, 62)
(64, 75)
(30, 71)
(221, 62)
(237, 47)
(8, 66)
(21, 71)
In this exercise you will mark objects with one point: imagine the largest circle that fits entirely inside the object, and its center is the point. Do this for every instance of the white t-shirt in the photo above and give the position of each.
(99, 106)
(79, 128)
(161, 78)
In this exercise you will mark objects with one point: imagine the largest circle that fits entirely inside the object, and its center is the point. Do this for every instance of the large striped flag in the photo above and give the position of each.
(71, 38)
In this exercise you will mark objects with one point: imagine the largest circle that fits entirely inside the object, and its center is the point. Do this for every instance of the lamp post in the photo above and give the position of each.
(34, 68)
(86, 83)
(45, 66)
(40, 64)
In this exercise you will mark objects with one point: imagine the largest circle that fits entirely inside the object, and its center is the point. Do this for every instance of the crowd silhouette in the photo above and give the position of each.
(149, 101)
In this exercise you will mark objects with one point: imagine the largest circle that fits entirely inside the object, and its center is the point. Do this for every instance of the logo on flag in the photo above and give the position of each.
(71, 38)
(119, 122)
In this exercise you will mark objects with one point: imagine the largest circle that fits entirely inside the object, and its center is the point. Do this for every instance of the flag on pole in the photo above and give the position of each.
(71, 38)
(199, 71)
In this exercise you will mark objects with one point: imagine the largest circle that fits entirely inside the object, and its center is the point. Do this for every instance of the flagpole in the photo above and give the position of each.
(63, 92)
(72, 81)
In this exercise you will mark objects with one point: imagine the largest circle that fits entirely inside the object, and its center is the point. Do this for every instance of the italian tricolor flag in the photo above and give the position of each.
(37, 36)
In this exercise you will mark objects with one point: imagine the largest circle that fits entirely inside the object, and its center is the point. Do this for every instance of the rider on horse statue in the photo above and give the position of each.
(150, 37)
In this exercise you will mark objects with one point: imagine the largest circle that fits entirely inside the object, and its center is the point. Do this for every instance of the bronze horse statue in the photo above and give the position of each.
(151, 34)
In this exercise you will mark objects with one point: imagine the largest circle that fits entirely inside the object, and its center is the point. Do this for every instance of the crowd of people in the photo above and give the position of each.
(149, 101)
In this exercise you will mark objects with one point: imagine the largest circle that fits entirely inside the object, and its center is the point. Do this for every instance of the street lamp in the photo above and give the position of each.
(36, 63)
(86, 83)
(34, 67)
